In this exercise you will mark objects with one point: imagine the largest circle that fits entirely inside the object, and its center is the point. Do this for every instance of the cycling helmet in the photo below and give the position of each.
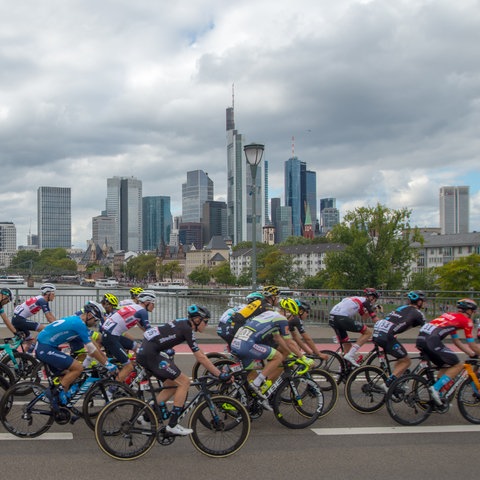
(7, 292)
(47, 288)
(255, 296)
(95, 309)
(302, 305)
(466, 304)
(371, 291)
(270, 291)
(146, 296)
(198, 311)
(415, 295)
(135, 291)
(290, 305)
(111, 299)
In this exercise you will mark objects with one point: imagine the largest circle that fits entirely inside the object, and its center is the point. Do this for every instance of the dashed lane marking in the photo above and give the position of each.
(45, 436)
(395, 430)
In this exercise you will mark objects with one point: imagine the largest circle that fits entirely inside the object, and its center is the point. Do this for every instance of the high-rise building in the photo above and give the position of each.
(274, 206)
(283, 224)
(454, 210)
(54, 212)
(311, 196)
(191, 233)
(329, 214)
(195, 192)
(103, 230)
(214, 220)
(8, 243)
(239, 188)
(157, 222)
(295, 192)
(124, 204)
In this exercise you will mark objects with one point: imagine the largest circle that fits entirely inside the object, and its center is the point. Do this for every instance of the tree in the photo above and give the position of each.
(141, 267)
(423, 280)
(277, 268)
(462, 275)
(223, 275)
(170, 269)
(200, 275)
(377, 250)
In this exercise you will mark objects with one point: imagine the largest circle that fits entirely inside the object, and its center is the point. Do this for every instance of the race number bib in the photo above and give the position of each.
(244, 334)
(150, 333)
(428, 328)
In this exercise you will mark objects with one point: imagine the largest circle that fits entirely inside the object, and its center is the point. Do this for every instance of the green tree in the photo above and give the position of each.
(170, 269)
(141, 267)
(223, 275)
(318, 281)
(462, 275)
(377, 250)
(277, 268)
(423, 280)
(200, 275)
(24, 261)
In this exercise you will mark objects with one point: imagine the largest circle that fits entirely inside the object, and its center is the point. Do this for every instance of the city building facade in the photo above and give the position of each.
(197, 190)
(157, 222)
(8, 243)
(454, 209)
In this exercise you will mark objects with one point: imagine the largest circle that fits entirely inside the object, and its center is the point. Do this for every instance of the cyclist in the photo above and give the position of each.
(342, 321)
(6, 296)
(23, 312)
(122, 320)
(299, 334)
(72, 329)
(404, 318)
(110, 303)
(259, 302)
(430, 341)
(134, 293)
(152, 355)
(252, 342)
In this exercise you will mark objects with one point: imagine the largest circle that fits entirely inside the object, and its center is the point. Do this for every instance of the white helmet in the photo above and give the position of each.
(47, 288)
(146, 296)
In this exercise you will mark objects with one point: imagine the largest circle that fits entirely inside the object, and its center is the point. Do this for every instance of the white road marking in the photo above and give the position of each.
(45, 436)
(395, 430)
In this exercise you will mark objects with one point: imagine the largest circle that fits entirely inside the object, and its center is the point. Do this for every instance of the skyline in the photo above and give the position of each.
(382, 99)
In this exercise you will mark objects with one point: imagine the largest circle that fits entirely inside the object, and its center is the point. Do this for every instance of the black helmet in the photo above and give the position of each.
(466, 304)
(7, 292)
(415, 295)
(95, 309)
(371, 291)
(303, 305)
(198, 311)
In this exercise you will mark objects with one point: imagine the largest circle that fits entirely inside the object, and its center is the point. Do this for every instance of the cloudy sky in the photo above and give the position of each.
(382, 97)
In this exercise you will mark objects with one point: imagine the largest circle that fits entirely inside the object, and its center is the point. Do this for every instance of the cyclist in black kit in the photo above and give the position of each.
(400, 320)
(152, 355)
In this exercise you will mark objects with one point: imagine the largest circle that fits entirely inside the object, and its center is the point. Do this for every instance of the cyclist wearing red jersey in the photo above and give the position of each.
(342, 321)
(430, 341)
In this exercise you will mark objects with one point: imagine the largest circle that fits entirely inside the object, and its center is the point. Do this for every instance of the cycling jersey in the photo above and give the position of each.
(127, 301)
(126, 318)
(350, 306)
(448, 324)
(225, 328)
(64, 330)
(399, 321)
(168, 335)
(295, 323)
(32, 306)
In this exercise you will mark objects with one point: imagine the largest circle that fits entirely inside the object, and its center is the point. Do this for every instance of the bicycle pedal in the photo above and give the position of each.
(74, 419)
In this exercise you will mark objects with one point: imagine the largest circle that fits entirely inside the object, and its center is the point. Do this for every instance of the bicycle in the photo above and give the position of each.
(415, 403)
(20, 363)
(220, 424)
(26, 410)
(296, 398)
(366, 388)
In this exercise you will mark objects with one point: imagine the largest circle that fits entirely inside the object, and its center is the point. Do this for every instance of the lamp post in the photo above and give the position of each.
(254, 154)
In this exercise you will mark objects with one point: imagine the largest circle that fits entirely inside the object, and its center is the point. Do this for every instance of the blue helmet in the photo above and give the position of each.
(415, 295)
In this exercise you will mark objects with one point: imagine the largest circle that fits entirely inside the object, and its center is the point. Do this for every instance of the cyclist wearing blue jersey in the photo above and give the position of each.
(69, 330)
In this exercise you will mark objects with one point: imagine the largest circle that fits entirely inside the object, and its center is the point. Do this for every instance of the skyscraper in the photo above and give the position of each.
(214, 220)
(124, 204)
(54, 212)
(103, 230)
(195, 192)
(329, 214)
(454, 210)
(239, 188)
(311, 197)
(157, 222)
(8, 243)
(295, 192)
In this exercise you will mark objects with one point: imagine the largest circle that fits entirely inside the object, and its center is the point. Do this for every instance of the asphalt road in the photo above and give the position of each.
(359, 447)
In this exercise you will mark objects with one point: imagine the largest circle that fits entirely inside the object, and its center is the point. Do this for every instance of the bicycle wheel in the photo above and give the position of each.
(408, 400)
(298, 402)
(118, 433)
(468, 401)
(25, 411)
(22, 367)
(98, 395)
(335, 366)
(221, 432)
(365, 389)
(198, 370)
(328, 387)
(6, 376)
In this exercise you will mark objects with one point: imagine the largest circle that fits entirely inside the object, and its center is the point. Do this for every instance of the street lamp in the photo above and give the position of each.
(254, 154)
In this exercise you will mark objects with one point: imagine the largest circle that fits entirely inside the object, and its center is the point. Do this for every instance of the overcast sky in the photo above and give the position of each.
(382, 97)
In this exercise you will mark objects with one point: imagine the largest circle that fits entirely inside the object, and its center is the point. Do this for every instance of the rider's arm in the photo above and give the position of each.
(205, 361)
(94, 352)
(50, 317)
(8, 323)
(299, 340)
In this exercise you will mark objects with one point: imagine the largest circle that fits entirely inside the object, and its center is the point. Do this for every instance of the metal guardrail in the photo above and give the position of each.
(173, 304)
